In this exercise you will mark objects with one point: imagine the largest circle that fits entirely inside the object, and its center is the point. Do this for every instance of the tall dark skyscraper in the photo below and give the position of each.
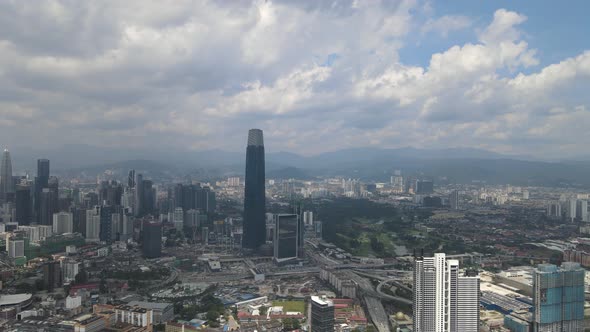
(193, 196)
(41, 182)
(6, 180)
(43, 171)
(424, 187)
(106, 219)
(254, 195)
(147, 205)
(47, 206)
(23, 204)
(138, 195)
(286, 237)
(152, 239)
(52, 275)
(131, 179)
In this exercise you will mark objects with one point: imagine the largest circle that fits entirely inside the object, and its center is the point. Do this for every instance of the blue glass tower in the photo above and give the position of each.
(254, 193)
(558, 297)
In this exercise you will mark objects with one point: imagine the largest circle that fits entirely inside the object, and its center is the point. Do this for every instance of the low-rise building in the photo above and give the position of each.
(134, 315)
(162, 312)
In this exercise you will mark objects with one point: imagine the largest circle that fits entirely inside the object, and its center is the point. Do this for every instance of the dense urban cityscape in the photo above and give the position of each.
(294, 165)
(125, 252)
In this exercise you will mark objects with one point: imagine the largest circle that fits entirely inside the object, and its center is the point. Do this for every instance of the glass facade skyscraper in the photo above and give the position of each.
(286, 236)
(152, 239)
(254, 194)
(6, 180)
(41, 182)
(322, 314)
(558, 297)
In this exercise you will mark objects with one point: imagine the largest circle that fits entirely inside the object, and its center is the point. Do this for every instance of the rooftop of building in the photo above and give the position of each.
(132, 308)
(150, 305)
(323, 301)
(14, 299)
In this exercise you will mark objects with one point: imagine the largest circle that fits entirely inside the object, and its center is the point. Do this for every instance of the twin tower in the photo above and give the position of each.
(254, 193)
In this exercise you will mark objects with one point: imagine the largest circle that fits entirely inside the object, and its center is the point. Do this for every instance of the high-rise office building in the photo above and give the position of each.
(424, 187)
(43, 171)
(126, 227)
(106, 223)
(554, 210)
(308, 218)
(110, 193)
(139, 196)
(467, 295)
(131, 179)
(52, 275)
(205, 235)
(194, 197)
(322, 314)
(23, 204)
(15, 246)
(92, 225)
(47, 207)
(192, 219)
(558, 298)
(152, 239)
(298, 210)
(149, 197)
(204, 199)
(63, 222)
(571, 206)
(285, 237)
(6, 180)
(397, 183)
(254, 192)
(444, 300)
(454, 200)
(69, 269)
(41, 182)
(582, 210)
(178, 218)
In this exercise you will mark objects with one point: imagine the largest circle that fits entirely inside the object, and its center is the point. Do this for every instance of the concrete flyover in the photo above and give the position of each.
(391, 297)
(380, 278)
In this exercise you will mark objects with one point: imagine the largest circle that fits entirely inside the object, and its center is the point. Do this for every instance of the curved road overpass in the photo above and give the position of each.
(391, 297)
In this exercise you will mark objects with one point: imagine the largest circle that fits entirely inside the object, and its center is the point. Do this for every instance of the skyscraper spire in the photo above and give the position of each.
(6, 181)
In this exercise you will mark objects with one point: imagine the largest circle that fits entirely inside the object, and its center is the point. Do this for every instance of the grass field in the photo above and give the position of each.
(298, 306)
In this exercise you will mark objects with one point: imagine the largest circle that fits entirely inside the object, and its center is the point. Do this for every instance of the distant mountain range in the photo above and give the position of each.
(76, 155)
(461, 165)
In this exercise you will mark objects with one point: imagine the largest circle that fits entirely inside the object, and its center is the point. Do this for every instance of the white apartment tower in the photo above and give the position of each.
(308, 218)
(92, 226)
(571, 208)
(582, 210)
(63, 222)
(444, 300)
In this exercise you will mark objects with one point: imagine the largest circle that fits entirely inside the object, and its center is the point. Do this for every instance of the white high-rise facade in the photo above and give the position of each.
(178, 218)
(308, 218)
(444, 300)
(582, 210)
(6, 180)
(571, 208)
(15, 247)
(92, 226)
(63, 222)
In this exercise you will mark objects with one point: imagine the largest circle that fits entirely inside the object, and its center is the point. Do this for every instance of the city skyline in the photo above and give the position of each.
(271, 165)
(351, 74)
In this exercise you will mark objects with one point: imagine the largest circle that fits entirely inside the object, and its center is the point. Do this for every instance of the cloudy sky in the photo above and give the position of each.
(512, 77)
